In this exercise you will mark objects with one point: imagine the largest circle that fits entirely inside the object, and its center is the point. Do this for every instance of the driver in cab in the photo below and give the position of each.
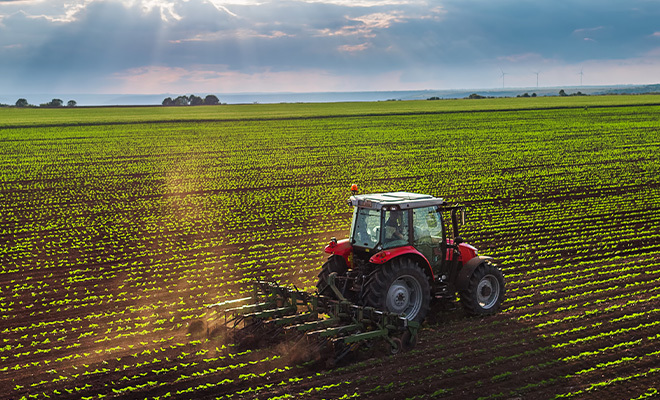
(395, 229)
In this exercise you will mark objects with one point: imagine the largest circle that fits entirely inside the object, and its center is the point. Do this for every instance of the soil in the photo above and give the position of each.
(518, 353)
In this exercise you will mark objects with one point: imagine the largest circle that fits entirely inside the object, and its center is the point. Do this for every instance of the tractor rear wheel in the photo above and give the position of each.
(485, 291)
(336, 264)
(401, 287)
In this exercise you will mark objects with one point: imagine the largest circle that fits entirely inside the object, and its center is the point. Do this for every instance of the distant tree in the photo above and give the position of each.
(22, 103)
(526, 95)
(211, 100)
(475, 96)
(182, 101)
(168, 101)
(562, 93)
(195, 100)
(533, 94)
(53, 103)
(71, 103)
(433, 98)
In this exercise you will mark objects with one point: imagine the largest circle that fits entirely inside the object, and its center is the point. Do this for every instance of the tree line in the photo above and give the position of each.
(23, 103)
(192, 100)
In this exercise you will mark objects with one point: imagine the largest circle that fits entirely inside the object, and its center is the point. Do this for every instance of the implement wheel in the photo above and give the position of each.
(396, 346)
(485, 292)
(408, 341)
(401, 287)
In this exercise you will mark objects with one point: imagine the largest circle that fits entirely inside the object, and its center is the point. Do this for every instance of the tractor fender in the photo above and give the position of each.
(384, 256)
(465, 273)
(341, 248)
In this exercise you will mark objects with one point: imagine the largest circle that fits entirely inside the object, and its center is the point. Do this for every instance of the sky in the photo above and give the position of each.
(236, 46)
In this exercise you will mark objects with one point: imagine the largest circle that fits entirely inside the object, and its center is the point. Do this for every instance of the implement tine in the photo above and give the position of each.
(224, 303)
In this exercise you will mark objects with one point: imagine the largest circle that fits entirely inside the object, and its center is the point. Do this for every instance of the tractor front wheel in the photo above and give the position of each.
(401, 287)
(485, 291)
(336, 264)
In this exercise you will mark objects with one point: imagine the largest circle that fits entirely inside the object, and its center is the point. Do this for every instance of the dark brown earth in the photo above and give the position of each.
(108, 262)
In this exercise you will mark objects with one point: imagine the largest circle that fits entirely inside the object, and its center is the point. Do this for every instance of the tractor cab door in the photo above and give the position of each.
(428, 237)
(396, 228)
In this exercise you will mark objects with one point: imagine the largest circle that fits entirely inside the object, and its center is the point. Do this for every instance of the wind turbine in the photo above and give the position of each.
(537, 79)
(581, 75)
(502, 76)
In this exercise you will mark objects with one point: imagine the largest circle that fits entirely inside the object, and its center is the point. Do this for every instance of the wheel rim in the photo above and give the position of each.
(488, 291)
(405, 297)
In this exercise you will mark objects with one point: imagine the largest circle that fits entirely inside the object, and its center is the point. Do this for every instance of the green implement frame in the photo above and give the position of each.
(276, 312)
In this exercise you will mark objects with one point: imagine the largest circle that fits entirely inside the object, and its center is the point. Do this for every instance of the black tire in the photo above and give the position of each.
(396, 346)
(400, 286)
(485, 292)
(408, 341)
(336, 264)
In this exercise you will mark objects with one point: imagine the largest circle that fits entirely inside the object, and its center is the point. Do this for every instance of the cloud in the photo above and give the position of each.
(90, 45)
(586, 34)
(380, 20)
(41, 9)
(366, 3)
(234, 34)
(582, 31)
(220, 7)
(166, 8)
(354, 48)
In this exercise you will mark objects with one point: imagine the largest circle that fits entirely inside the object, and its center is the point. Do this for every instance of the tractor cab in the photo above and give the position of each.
(389, 221)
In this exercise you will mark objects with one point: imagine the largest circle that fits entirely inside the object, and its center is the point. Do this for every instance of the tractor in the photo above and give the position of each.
(402, 252)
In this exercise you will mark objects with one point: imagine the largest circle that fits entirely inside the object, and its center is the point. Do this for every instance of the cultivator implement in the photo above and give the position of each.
(325, 327)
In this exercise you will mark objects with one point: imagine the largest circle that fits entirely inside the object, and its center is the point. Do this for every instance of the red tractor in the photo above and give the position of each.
(401, 252)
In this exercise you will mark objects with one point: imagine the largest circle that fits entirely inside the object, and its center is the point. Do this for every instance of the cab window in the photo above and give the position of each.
(395, 228)
(366, 230)
(427, 226)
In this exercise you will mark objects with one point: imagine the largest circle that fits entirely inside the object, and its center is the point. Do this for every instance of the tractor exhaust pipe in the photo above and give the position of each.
(457, 219)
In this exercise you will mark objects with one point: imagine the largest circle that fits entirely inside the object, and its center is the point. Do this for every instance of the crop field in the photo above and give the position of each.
(119, 226)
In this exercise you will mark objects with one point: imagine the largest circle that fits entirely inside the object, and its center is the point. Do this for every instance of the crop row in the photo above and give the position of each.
(115, 238)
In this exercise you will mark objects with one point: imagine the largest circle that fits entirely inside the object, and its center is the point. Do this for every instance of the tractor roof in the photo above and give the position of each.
(401, 200)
